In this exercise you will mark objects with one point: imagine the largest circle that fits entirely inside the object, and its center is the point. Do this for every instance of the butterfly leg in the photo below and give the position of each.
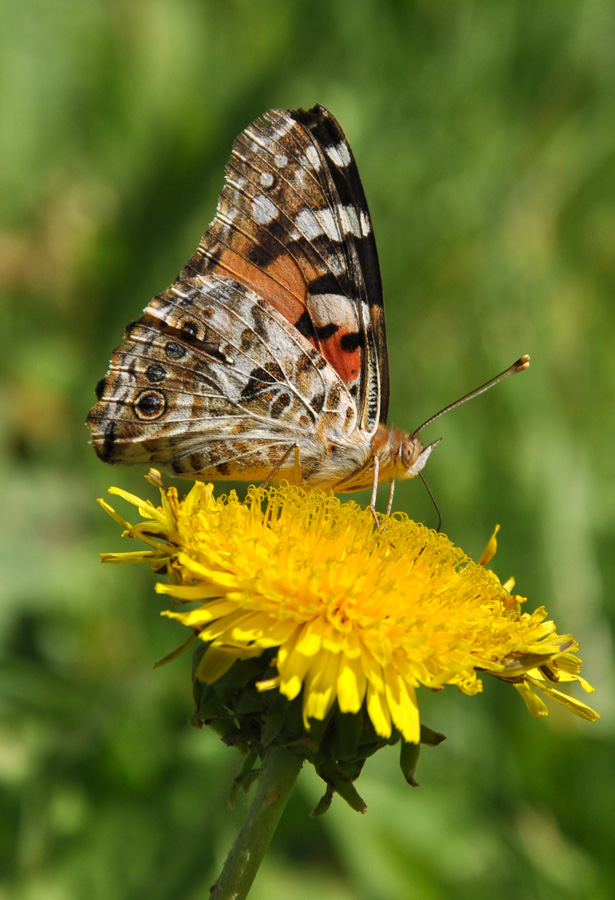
(294, 448)
(372, 503)
(390, 499)
(297, 474)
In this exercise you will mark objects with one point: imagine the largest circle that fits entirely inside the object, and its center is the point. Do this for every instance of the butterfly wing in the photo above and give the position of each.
(274, 332)
(213, 381)
(293, 225)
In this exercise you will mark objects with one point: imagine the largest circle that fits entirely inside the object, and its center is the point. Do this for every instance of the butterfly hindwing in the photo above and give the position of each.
(215, 382)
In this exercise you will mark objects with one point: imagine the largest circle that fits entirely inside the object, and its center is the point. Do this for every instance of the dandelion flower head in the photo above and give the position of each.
(355, 616)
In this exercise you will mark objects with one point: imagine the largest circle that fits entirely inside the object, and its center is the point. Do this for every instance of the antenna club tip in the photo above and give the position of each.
(522, 363)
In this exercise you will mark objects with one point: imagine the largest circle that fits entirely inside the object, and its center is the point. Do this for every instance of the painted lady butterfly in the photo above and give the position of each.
(267, 357)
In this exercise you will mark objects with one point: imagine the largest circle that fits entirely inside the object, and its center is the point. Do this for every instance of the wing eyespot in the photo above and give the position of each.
(173, 350)
(191, 331)
(156, 373)
(149, 405)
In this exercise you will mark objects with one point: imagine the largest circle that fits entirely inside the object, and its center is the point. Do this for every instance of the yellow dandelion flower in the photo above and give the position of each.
(347, 618)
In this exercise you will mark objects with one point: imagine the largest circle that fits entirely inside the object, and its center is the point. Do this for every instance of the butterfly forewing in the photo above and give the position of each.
(293, 225)
(350, 206)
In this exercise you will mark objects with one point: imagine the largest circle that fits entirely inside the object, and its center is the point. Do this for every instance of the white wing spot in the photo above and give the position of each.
(263, 210)
(349, 220)
(267, 179)
(335, 308)
(308, 225)
(277, 131)
(313, 157)
(328, 223)
(366, 225)
(340, 154)
(298, 176)
(281, 160)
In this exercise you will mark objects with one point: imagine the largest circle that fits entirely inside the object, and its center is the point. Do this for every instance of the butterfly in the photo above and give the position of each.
(267, 358)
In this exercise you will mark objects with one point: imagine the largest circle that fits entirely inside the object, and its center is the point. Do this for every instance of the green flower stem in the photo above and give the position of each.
(278, 774)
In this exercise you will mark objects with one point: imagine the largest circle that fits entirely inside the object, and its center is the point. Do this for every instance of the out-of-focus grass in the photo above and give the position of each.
(485, 139)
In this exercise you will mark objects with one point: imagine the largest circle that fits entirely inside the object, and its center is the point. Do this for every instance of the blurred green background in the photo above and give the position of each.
(485, 137)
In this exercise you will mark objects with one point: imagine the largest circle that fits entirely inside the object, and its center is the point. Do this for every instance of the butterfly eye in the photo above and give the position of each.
(409, 451)
(150, 405)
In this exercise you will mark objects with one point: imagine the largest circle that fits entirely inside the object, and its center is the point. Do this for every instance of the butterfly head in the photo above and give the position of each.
(412, 455)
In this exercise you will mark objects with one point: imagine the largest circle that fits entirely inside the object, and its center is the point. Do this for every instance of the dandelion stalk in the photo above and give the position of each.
(278, 774)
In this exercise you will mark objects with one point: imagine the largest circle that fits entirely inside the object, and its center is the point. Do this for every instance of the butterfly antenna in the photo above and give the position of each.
(433, 500)
(519, 366)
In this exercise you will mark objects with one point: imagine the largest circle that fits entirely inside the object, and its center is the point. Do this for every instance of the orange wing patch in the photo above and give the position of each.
(343, 351)
(284, 285)
(281, 282)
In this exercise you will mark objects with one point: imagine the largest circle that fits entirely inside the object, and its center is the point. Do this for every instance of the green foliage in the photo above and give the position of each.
(484, 135)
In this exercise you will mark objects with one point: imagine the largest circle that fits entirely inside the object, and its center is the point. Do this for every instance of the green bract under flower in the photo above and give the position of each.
(354, 616)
